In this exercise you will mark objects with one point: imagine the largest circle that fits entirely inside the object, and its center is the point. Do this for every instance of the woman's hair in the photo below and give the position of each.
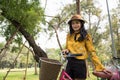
(82, 32)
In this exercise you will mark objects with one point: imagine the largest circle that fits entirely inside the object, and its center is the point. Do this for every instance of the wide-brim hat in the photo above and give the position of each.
(76, 17)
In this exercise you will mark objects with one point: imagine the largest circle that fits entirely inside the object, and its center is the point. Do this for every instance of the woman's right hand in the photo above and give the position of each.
(65, 51)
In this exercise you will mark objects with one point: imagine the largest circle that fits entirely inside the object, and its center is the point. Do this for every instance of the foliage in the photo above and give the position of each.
(1, 45)
(10, 56)
(27, 12)
(53, 53)
(24, 16)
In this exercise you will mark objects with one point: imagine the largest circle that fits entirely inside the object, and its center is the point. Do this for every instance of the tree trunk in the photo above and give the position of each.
(78, 6)
(24, 78)
(37, 50)
(4, 49)
(4, 78)
(36, 69)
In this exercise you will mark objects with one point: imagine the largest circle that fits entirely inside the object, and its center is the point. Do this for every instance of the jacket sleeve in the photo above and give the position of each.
(91, 51)
(66, 47)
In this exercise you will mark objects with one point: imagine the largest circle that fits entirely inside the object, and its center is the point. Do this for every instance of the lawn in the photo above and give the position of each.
(18, 74)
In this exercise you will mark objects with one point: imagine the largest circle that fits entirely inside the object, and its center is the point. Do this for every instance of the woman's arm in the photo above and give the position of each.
(92, 52)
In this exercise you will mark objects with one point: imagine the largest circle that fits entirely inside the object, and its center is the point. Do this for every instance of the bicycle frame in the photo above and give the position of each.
(116, 76)
(64, 75)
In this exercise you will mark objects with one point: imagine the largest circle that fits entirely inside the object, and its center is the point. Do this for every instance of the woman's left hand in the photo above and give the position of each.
(107, 71)
(103, 74)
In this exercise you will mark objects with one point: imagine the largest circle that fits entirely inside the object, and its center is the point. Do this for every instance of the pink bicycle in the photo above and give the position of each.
(64, 75)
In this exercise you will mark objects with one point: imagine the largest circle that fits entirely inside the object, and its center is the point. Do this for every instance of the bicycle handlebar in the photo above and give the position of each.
(116, 58)
(73, 55)
(67, 55)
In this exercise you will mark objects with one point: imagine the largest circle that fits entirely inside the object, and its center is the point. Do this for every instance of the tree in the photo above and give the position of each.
(25, 15)
(115, 29)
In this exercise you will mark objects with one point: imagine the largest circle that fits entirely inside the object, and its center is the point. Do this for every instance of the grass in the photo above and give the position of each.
(18, 74)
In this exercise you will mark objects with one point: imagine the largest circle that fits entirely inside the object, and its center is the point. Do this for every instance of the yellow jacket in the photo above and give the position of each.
(85, 47)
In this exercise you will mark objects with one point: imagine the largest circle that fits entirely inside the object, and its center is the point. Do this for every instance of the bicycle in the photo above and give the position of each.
(64, 75)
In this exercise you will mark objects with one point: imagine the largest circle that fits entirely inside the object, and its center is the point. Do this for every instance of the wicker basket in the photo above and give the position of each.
(49, 69)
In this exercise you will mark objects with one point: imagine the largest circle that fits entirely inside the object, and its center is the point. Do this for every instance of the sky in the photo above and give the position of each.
(52, 8)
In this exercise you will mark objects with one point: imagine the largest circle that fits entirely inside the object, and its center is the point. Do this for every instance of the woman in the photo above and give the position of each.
(80, 42)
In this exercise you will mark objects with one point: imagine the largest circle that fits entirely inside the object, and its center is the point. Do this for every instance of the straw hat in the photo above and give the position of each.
(76, 17)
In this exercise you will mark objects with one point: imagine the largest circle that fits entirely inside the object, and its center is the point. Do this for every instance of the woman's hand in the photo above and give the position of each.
(103, 74)
(65, 51)
(107, 71)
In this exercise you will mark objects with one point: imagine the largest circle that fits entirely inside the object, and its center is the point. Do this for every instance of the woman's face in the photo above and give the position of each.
(76, 25)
